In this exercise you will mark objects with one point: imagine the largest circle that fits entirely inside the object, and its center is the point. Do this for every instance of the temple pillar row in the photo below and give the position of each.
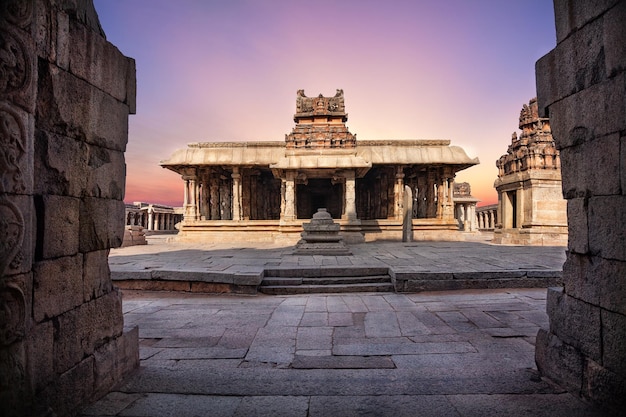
(236, 176)
(398, 193)
(350, 196)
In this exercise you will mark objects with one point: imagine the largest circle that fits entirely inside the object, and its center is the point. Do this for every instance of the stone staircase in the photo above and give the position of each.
(325, 280)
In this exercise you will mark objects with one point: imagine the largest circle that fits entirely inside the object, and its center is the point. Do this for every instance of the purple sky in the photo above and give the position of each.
(210, 70)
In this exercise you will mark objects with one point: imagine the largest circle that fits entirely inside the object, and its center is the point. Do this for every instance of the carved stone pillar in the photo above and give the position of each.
(398, 192)
(289, 197)
(350, 196)
(150, 220)
(236, 176)
(214, 198)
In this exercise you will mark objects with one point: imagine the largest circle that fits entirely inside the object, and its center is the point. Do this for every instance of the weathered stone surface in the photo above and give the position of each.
(604, 387)
(594, 168)
(114, 360)
(101, 225)
(578, 233)
(573, 121)
(71, 107)
(92, 58)
(575, 322)
(606, 214)
(96, 274)
(55, 283)
(614, 342)
(559, 361)
(58, 235)
(585, 275)
(40, 350)
(16, 148)
(17, 250)
(74, 387)
(60, 164)
(573, 15)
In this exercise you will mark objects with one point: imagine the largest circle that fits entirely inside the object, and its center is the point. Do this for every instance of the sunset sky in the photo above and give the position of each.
(213, 70)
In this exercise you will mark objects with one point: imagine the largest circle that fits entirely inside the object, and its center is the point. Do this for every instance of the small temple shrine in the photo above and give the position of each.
(265, 191)
(531, 208)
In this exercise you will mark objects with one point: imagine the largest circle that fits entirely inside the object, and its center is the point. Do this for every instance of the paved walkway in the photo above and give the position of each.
(462, 353)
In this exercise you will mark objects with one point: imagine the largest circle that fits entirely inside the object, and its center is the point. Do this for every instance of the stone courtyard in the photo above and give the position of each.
(455, 353)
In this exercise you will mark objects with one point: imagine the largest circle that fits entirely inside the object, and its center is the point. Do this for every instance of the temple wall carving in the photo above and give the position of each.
(62, 171)
(580, 85)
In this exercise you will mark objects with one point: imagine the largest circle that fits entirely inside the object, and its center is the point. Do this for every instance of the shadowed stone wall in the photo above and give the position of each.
(581, 86)
(65, 96)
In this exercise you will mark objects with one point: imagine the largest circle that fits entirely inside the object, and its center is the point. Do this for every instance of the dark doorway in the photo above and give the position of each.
(319, 193)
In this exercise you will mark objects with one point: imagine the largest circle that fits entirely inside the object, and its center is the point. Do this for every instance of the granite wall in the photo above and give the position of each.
(581, 86)
(65, 97)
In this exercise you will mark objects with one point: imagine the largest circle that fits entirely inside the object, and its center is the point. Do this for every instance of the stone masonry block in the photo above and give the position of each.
(614, 342)
(60, 164)
(96, 275)
(40, 350)
(623, 164)
(57, 286)
(546, 82)
(571, 15)
(615, 38)
(558, 360)
(108, 317)
(69, 338)
(74, 388)
(593, 167)
(97, 61)
(575, 322)
(578, 237)
(71, 107)
(573, 121)
(597, 281)
(60, 233)
(106, 173)
(101, 224)
(115, 359)
(607, 237)
(605, 388)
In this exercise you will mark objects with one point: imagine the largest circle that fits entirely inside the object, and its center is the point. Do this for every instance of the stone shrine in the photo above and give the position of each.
(321, 237)
(263, 191)
(531, 208)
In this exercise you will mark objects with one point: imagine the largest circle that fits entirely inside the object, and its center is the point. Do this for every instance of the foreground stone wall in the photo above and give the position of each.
(65, 96)
(582, 88)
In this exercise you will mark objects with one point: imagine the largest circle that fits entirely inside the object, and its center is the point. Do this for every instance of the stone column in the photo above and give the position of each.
(290, 197)
(236, 176)
(150, 219)
(398, 192)
(350, 196)
(214, 198)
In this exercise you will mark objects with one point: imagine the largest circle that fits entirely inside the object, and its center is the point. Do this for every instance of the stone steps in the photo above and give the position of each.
(332, 280)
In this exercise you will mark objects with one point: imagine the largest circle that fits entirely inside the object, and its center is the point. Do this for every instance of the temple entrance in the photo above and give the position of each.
(319, 193)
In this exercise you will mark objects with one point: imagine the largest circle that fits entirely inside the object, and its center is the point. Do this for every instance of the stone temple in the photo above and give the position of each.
(531, 207)
(264, 191)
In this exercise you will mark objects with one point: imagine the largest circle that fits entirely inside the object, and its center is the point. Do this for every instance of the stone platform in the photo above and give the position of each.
(413, 266)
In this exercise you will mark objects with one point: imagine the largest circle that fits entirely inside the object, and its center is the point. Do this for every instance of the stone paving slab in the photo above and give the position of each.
(450, 353)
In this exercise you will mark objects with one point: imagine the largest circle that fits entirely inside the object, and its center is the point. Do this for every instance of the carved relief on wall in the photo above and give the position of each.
(12, 314)
(11, 235)
(15, 70)
(12, 149)
(17, 12)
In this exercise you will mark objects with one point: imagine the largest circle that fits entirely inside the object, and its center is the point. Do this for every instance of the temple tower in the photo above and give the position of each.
(531, 208)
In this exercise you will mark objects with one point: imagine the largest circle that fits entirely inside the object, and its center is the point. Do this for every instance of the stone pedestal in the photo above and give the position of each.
(134, 235)
(321, 237)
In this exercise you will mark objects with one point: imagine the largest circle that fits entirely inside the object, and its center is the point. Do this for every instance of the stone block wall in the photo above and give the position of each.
(65, 97)
(581, 86)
